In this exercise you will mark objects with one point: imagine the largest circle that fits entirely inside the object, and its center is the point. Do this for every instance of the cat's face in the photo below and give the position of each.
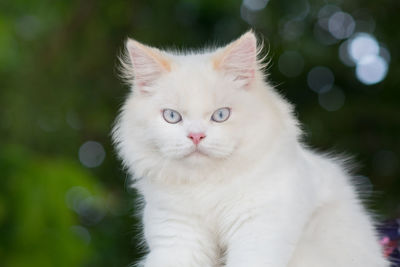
(195, 109)
(195, 117)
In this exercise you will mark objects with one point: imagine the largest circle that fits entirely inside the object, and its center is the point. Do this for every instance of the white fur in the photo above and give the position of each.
(255, 196)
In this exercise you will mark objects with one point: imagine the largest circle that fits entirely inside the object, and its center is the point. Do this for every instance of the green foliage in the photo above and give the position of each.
(36, 224)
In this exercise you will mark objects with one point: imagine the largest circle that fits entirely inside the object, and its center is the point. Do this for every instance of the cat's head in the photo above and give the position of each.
(197, 111)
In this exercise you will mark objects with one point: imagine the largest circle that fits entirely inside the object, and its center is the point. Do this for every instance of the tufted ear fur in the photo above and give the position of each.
(239, 58)
(144, 65)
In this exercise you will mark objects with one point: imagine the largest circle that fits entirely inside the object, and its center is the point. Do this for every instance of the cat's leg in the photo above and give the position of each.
(176, 240)
(339, 234)
(266, 240)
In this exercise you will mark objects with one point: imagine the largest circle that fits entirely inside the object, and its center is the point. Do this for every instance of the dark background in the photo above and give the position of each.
(64, 199)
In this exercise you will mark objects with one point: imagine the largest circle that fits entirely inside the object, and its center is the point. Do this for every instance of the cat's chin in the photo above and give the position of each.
(197, 153)
(205, 153)
(195, 159)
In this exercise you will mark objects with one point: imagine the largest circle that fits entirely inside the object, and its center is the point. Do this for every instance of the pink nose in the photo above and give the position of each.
(196, 137)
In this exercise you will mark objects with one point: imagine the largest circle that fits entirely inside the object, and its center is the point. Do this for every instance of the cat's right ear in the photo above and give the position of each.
(239, 59)
(143, 65)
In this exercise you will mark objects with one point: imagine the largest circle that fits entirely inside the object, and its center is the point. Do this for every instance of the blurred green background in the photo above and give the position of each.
(64, 199)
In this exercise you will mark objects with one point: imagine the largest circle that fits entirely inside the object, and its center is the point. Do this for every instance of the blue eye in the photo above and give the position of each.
(221, 115)
(171, 116)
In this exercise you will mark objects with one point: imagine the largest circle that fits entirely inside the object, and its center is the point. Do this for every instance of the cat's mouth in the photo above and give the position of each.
(197, 152)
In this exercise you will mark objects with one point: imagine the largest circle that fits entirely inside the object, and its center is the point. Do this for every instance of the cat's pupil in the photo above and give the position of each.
(221, 114)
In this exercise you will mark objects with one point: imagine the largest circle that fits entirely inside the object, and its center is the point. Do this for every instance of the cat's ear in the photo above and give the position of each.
(239, 59)
(146, 65)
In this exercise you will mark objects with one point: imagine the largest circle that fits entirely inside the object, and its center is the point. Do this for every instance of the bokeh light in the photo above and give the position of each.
(91, 209)
(370, 58)
(73, 120)
(255, 5)
(371, 69)
(321, 27)
(75, 196)
(332, 100)
(341, 25)
(81, 232)
(320, 79)
(361, 45)
(91, 154)
(344, 54)
(325, 12)
(248, 15)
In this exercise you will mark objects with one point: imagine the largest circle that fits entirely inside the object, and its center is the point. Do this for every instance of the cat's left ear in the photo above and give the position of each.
(239, 59)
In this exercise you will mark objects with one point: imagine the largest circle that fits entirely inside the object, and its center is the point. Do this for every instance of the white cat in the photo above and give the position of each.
(226, 181)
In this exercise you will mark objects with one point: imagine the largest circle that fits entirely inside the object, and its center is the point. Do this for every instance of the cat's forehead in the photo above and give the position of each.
(192, 71)
(192, 84)
(189, 89)
(192, 64)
